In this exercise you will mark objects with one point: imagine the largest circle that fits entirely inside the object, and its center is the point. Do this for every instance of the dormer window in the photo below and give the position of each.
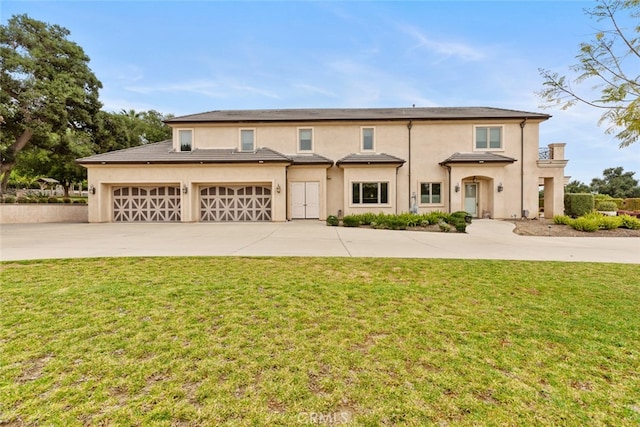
(185, 138)
(247, 140)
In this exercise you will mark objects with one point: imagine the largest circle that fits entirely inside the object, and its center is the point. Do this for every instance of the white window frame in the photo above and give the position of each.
(361, 203)
(475, 141)
(373, 139)
(240, 148)
(299, 149)
(179, 144)
(430, 202)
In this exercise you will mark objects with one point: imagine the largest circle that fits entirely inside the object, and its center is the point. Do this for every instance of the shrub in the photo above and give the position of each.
(460, 224)
(607, 206)
(562, 219)
(367, 218)
(630, 222)
(578, 204)
(586, 224)
(435, 217)
(632, 204)
(333, 220)
(462, 214)
(53, 200)
(41, 199)
(610, 222)
(9, 199)
(444, 227)
(66, 200)
(22, 199)
(351, 221)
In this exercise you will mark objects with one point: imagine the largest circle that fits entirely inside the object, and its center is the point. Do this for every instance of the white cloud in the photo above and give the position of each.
(444, 49)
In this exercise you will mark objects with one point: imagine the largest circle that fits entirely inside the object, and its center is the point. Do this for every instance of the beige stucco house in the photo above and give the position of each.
(277, 165)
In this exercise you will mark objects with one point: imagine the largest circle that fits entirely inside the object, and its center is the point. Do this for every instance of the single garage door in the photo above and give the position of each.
(242, 203)
(139, 204)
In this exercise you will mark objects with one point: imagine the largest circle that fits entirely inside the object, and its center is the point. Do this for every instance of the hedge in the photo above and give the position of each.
(578, 204)
(632, 204)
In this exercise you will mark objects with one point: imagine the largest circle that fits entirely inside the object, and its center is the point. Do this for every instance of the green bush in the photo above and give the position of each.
(351, 221)
(610, 222)
(578, 204)
(460, 224)
(632, 204)
(435, 217)
(444, 227)
(66, 200)
(562, 219)
(53, 200)
(9, 199)
(630, 222)
(606, 206)
(333, 220)
(367, 218)
(586, 224)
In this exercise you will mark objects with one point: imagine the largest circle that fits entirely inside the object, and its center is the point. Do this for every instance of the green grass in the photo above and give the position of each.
(289, 341)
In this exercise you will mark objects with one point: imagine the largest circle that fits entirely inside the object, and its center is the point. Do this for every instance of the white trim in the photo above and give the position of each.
(493, 125)
(361, 205)
(255, 137)
(298, 150)
(421, 203)
(373, 148)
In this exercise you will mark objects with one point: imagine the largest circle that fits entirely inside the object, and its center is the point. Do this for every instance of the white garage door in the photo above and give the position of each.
(244, 203)
(138, 204)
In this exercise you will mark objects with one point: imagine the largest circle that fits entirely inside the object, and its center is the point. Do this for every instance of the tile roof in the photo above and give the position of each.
(370, 159)
(479, 157)
(162, 153)
(310, 159)
(346, 114)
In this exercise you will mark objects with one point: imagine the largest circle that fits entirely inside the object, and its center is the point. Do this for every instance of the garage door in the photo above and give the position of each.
(242, 203)
(138, 204)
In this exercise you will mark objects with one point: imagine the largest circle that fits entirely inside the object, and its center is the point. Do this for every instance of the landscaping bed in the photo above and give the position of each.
(547, 227)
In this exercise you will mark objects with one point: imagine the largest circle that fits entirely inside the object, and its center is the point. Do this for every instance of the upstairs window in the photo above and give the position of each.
(367, 139)
(373, 193)
(430, 192)
(247, 140)
(305, 139)
(185, 137)
(488, 138)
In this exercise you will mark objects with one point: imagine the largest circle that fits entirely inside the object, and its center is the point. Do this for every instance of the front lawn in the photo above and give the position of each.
(290, 341)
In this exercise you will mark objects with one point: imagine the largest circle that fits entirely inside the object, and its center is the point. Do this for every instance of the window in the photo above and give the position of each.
(367, 139)
(488, 137)
(430, 192)
(185, 137)
(305, 139)
(247, 140)
(369, 193)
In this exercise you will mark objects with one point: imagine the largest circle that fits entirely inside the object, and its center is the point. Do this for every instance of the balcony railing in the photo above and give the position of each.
(545, 154)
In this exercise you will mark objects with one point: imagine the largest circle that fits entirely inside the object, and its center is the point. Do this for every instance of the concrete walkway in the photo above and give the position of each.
(485, 239)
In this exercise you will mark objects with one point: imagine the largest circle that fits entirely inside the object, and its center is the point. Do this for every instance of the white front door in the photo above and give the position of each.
(471, 199)
(305, 200)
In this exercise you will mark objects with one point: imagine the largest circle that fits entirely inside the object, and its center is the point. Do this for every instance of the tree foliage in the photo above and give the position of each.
(576, 186)
(46, 87)
(616, 183)
(611, 60)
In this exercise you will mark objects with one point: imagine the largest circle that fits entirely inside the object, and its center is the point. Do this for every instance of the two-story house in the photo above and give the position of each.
(276, 165)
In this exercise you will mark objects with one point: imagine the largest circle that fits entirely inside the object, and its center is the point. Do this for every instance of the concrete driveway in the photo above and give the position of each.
(485, 239)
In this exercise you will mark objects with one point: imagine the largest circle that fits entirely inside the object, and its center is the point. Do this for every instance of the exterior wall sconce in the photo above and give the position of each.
(92, 189)
(185, 189)
(500, 188)
(457, 188)
(278, 189)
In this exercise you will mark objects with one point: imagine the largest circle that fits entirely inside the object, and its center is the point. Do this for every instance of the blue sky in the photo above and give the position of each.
(194, 56)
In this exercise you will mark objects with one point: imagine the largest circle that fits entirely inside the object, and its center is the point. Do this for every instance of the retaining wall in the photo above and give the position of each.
(25, 213)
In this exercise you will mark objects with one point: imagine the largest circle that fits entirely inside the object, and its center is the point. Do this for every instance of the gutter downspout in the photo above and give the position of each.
(522, 125)
(409, 126)
(448, 168)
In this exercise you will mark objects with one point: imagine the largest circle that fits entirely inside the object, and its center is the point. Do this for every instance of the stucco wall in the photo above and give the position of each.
(39, 213)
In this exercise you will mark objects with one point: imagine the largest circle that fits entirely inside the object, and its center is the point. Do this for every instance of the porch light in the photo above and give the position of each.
(500, 188)
(185, 189)
(278, 189)
(92, 189)
(457, 188)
